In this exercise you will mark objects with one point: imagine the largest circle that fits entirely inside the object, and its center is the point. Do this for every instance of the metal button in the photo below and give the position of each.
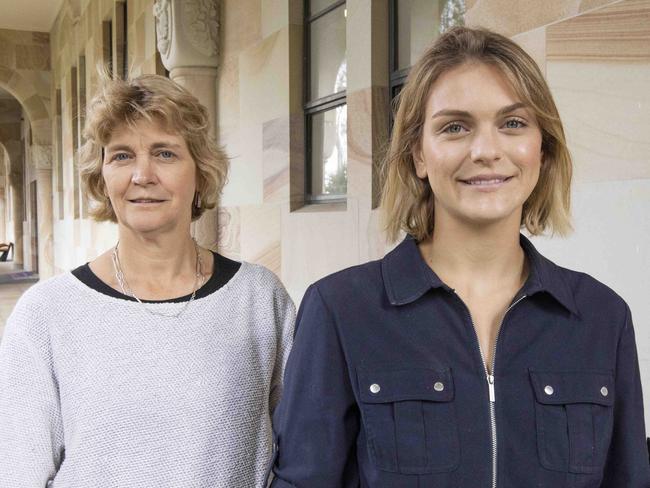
(438, 386)
(374, 388)
(548, 389)
(604, 391)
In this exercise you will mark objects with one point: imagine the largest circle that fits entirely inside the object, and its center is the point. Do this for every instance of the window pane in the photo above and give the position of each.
(327, 65)
(316, 6)
(329, 153)
(418, 24)
(396, 90)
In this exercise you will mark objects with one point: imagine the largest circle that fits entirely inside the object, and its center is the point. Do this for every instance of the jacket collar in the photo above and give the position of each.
(407, 276)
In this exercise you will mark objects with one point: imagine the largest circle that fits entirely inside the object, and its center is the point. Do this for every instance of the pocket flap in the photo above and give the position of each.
(401, 384)
(566, 387)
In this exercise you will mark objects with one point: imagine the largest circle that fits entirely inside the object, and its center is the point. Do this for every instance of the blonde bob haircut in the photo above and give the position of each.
(408, 201)
(155, 99)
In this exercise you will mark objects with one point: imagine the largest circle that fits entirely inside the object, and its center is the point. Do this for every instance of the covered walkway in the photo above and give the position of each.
(13, 283)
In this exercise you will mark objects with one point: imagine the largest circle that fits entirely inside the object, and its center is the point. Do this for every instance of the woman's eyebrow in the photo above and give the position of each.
(463, 113)
(155, 145)
(118, 147)
(511, 108)
(453, 113)
(158, 145)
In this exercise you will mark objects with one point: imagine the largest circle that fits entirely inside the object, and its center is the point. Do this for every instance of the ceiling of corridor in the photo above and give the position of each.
(29, 15)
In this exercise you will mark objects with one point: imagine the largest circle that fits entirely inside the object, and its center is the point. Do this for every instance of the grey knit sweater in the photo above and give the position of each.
(96, 392)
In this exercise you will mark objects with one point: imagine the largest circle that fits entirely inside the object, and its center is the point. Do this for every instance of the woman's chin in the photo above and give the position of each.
(149, 226)
(490, 216)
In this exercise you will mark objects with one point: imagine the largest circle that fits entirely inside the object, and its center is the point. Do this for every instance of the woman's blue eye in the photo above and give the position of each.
(166, 154)
(514, 124)
(453, 128)
(121, 157)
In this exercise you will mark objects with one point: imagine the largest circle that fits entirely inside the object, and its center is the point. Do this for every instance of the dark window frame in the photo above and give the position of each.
(107, 46)
(119, 42)
(396, 77)
(316, 106)
(125, 47)
(58, 128)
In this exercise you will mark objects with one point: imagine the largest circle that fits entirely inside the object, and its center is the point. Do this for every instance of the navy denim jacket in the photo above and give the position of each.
(386, 388)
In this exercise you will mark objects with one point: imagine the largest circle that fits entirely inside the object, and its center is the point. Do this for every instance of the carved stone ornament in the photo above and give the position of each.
(187, 33)
(201, 25)
(42, 156)
(162, 12)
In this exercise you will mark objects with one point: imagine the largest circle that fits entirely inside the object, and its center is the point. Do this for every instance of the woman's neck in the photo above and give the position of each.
(156, 259)
(476, 259)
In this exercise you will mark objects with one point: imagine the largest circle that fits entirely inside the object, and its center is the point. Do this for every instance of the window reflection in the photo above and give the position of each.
(327, 53)
(317, 6)
(419, 22)
(453, 14)
(325, 102)
(329, 152)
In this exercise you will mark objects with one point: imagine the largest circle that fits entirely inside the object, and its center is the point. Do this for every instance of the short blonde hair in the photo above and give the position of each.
(408, 201)
(152, 98)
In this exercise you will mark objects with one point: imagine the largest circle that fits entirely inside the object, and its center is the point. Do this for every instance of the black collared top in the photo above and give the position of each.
(386, 386)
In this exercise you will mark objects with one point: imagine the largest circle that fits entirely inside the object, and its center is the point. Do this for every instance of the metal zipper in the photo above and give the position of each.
(489, 375)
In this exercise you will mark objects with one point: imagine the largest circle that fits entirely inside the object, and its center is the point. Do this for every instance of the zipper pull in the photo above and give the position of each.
(490, 379)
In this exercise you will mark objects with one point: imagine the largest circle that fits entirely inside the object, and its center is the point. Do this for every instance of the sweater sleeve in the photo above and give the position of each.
(627, 463)
(31, 432)
(285, 317)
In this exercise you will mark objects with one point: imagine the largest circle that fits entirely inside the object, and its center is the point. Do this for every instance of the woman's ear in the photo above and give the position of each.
(418, 162)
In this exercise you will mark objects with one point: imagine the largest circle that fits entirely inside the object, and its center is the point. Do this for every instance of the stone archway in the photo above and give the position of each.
(24, 85)
(12, 150)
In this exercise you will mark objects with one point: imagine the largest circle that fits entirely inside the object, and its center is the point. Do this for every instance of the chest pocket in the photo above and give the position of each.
(409, 418)
(574, 417)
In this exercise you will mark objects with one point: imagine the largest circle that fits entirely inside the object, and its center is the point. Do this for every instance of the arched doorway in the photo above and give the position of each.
(25, 133)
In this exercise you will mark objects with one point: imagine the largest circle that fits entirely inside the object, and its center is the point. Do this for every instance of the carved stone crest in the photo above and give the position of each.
(187, 33)
(162, 12)
(201, 25)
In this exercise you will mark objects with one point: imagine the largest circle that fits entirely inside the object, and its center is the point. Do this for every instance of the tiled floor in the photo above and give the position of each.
(9, 294)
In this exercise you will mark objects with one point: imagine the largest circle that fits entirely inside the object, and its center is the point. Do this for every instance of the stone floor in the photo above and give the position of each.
(10, 293)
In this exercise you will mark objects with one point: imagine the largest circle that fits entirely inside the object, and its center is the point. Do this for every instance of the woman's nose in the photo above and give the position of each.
(143, 171)
(485, 146)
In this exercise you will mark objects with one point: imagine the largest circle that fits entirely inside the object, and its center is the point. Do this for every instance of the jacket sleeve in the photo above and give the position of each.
(31, 433)
(317, 422)
(627, 463)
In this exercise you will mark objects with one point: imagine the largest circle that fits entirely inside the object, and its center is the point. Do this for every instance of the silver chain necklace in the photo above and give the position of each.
(126, 289)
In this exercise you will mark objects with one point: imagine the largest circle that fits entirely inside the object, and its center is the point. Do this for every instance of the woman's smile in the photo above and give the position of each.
(486, 183)
(146, 201)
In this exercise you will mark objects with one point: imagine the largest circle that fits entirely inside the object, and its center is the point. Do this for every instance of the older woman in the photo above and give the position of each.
(464, 358)
(158, 363)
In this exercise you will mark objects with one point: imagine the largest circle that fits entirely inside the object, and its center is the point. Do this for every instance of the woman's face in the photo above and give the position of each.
(150, 178)
(480, 147)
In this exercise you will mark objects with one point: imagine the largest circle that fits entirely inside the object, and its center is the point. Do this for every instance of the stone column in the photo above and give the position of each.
(188, 33)
(367, 124)
(3, 209)
(16, 182)
(4, 169)
(42, 158)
